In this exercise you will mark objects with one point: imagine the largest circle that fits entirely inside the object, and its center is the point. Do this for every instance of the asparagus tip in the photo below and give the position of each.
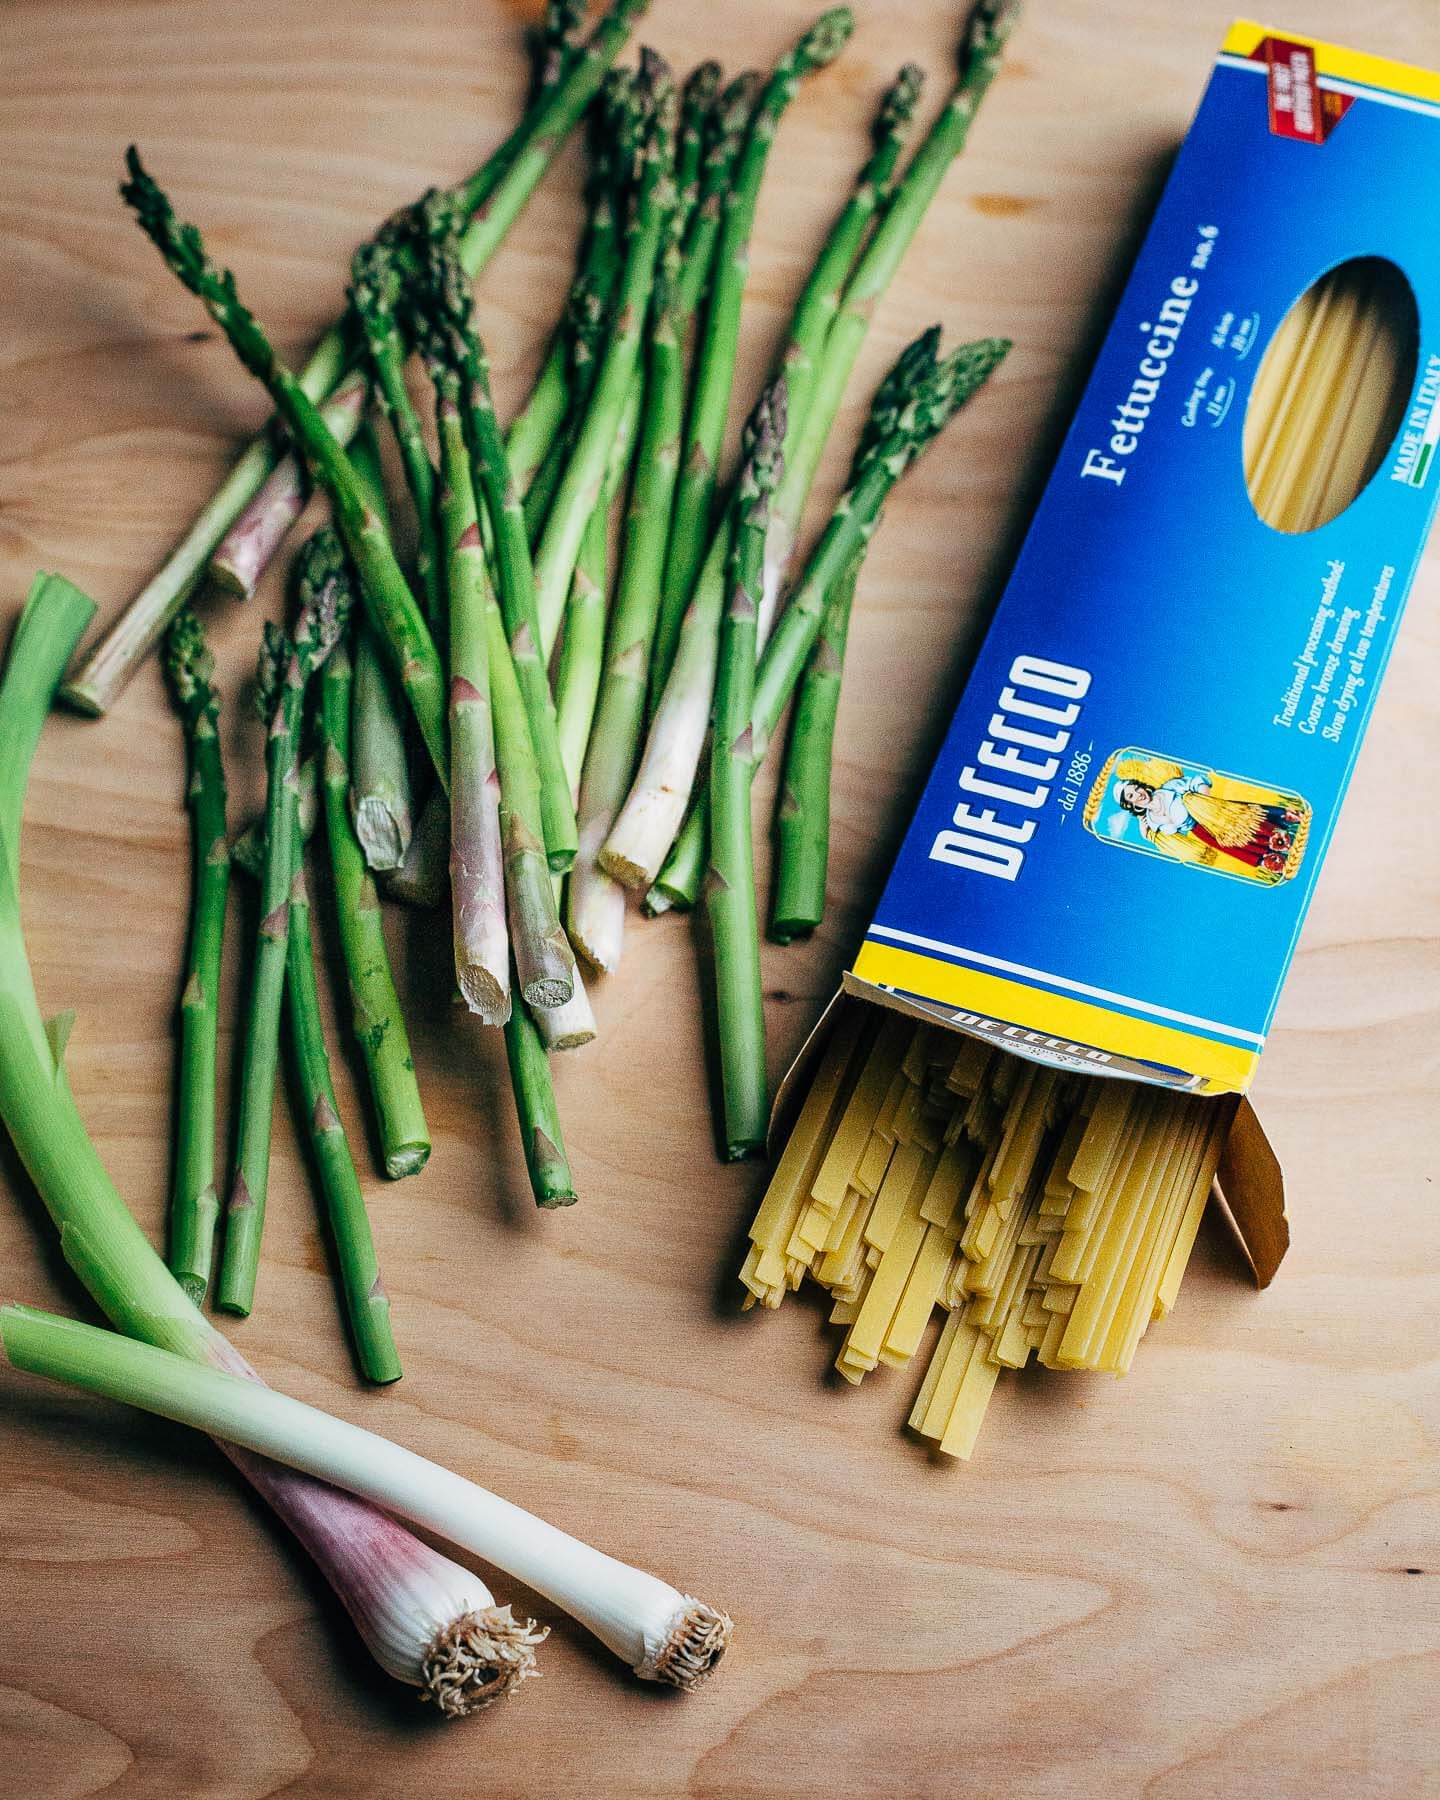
(478, 1659)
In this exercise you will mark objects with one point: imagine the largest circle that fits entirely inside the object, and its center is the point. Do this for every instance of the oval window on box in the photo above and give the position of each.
(1330, 394)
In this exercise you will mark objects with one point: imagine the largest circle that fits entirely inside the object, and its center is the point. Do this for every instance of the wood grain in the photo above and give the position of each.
(1219, 1576)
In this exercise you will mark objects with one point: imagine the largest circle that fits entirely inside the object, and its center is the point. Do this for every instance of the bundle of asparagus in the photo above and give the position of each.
(562, 739)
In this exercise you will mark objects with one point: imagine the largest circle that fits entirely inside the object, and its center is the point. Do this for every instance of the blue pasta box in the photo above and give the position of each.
(1164, 715)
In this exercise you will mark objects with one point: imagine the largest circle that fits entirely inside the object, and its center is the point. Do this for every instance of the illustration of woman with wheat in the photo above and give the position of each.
(1182, 815)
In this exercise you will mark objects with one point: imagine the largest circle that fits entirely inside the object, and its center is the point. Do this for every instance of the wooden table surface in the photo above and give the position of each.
(1219, 1576)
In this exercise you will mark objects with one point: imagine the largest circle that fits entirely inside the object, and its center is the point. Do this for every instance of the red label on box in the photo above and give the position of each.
(1299, 107)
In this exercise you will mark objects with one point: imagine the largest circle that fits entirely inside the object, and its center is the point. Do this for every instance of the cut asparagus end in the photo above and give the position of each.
(383, 832)
(479, 1659)
(697, 1639)
(406, 1159)
(483, 994)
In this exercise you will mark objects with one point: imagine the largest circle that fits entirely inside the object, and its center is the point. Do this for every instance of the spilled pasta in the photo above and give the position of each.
(1049, 1214)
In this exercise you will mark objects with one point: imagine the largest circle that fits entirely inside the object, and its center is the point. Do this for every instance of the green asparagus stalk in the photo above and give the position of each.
(554, 42)
(376, 287)
(477, 866)
(456, 358)
(802, 818)
(367, 1305)
(388, 600)
(251, 543)
(380, 793)
(693, 521)
(582, 649)
(541, 949)
(551, 1181)
(634, 647)
(819, 302)
(584, 474)
(677, 311)
(493, 196)
(377, 1020)
(286, 665)
(987, 33)
(247, 853)
(616, 139)
(730, 887)
(919, 395)
(194, 1206)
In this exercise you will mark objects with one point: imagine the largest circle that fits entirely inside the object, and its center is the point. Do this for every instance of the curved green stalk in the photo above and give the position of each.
(194, 1203)
(693, 520)
(378, 1022)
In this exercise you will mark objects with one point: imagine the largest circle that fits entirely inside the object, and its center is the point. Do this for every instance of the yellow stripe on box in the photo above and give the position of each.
(1224, 1068)
(1245, 36)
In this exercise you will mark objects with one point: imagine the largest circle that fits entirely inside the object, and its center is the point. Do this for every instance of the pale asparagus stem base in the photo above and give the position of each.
(477, 870)
(498, 192)
(571, 1026)
(97, 683)
(655, 809)
(252, 541)
(596, 900)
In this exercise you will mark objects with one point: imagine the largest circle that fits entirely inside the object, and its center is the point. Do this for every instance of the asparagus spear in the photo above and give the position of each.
(911, 406)
(247, 548)
(693, 519)
(477, 869)
(494, 195)
(386, 593)
(285, 667)
(452, 343)
(802, 817)
(670, 345)
(596, 902)
(376, 287)
(730, 888)
(380, 793)
(987, 32)
(539, 1118)
(367, 1305)
(248, 850)
(376, 1017)
(554, 41)
(584, 474)
(820, 300)
(582, 649)
(194, 1207)
(616, 139)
